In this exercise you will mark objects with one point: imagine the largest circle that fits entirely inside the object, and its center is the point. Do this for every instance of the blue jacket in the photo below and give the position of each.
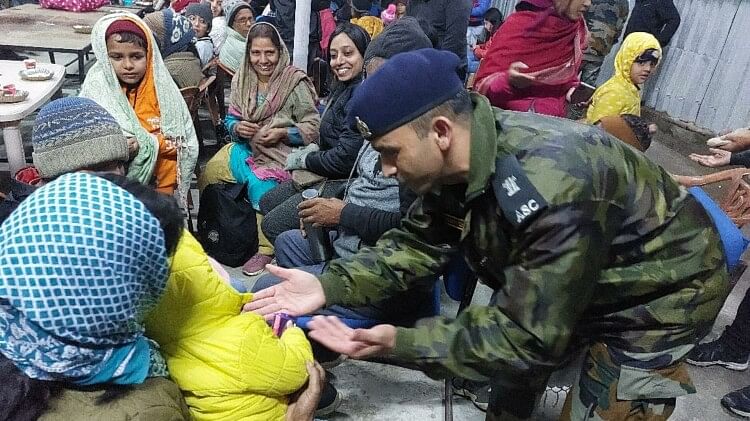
(478, 9)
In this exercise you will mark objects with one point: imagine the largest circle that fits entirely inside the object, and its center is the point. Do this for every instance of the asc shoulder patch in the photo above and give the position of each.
(517, 197)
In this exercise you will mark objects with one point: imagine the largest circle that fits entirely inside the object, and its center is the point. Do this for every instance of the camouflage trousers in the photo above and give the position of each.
(595, 397)
(590, 71)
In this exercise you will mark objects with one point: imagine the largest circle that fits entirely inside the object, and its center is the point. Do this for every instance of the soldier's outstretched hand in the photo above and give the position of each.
(297, 294)
(356, 343)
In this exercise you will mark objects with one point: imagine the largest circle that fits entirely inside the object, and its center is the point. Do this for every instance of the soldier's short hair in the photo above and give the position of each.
(457, 108)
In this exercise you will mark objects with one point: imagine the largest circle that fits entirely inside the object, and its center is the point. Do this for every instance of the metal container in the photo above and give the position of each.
(317, 237)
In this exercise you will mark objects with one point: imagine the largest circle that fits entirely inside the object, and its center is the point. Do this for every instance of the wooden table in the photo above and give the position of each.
(12, 114)
(29, 27)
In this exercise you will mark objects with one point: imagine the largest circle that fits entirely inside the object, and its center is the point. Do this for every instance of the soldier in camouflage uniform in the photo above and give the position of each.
(584, 240)
(605, 20)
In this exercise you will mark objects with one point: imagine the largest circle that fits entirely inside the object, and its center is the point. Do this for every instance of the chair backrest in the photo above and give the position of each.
(736, 200)
(191, 95)
(733, 242)
(224, 70)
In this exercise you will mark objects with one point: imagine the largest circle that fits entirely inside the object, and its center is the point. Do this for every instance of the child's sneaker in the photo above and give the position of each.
(256, 264)
(330, 400)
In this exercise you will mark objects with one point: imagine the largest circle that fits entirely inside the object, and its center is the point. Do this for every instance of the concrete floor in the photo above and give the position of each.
(381, 392)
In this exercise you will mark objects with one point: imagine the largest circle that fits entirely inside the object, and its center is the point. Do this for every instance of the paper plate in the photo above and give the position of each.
(38, 74)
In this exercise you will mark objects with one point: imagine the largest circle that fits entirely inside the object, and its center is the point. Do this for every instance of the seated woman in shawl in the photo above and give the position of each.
(272, 109)
(239, 17)
(637, 59)
(535, 56)
(74, 300)
(175, 37)
(130, 80)
(339, 143)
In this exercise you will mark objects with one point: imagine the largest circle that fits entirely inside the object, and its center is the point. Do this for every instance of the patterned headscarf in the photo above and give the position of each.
(81, 263)
(173, 32)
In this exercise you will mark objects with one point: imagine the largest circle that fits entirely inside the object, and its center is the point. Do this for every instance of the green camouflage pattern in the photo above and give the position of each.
(597, 397)
(621, 256)
(605, 20)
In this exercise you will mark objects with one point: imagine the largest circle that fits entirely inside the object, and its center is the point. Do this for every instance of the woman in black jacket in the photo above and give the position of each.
(334, 157)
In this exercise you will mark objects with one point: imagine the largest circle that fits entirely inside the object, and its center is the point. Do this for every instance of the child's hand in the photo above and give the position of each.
(246, 129)
(133, 147)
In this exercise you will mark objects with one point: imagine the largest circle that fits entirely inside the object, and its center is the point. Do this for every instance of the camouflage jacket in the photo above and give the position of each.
(605, 20)
(580, 236)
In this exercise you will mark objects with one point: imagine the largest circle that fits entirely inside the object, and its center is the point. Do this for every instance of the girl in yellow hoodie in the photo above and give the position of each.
(229, 366)
(636, 60)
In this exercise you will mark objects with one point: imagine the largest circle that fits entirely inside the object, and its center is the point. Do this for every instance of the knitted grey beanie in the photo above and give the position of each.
(401, 36)
(73, 133)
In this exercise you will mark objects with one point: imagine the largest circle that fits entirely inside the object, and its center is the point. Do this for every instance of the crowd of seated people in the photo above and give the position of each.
(152, 322)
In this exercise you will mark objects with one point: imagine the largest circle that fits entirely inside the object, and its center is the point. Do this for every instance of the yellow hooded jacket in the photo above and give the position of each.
(619, 95)
(229, 365)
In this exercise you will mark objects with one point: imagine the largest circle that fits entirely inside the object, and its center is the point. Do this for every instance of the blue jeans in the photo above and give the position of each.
(293, 251)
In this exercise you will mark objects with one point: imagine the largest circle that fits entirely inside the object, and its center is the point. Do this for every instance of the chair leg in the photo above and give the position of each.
(448, 399)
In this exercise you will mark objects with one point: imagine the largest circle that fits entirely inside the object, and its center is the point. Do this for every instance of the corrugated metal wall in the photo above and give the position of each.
(705, 75)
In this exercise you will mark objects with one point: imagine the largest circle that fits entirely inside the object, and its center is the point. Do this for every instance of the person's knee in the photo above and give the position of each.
(288, 246)
(269, 226)
(266, 281)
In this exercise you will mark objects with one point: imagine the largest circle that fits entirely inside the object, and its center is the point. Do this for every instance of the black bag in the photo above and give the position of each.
(227, 224)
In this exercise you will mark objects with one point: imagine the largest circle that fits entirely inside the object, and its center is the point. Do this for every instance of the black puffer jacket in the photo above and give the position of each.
(657, 17)
(339, 143)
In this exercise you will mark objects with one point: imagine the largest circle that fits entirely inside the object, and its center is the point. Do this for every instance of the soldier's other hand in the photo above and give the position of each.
(516, 78)
(718, 158)
(298, 293)
(356, 343)
(321, 212)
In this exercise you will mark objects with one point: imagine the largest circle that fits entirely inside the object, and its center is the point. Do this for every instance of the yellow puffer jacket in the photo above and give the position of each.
(229, 366)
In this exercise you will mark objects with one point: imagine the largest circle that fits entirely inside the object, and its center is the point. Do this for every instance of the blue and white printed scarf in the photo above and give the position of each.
(81, 262)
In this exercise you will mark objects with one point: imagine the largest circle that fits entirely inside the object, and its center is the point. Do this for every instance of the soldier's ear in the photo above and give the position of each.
(443, 129)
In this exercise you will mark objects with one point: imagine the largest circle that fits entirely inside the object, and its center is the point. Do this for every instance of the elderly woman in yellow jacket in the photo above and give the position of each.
(635, 62)
(229, 366)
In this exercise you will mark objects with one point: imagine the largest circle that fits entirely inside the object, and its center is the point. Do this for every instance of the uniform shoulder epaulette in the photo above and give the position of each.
(517, 197)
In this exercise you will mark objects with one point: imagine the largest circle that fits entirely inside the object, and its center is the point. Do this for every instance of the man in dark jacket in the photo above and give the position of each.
(449, 19)
(657, 17)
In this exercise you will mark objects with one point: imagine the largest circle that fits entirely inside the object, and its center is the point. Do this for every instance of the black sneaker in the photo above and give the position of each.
(330, 400)
(477, 392)
(327, 358)
(718, 353)
(738, 402)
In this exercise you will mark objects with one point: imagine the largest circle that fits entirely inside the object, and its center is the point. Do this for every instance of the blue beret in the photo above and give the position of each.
(407, 86)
